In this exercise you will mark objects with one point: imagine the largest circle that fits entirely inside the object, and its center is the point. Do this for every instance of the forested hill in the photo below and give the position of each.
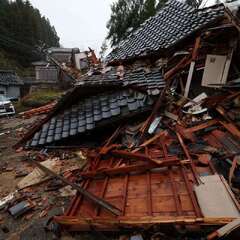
(23, 31)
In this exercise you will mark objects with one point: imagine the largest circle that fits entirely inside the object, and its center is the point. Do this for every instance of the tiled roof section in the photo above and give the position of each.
(89, 113)
(150, 79)
(171, 24)
(9, 78)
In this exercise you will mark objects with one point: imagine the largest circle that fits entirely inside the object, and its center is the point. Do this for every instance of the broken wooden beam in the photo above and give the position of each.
(151, 140)
(141, 167)
(184, 147)
(230, 127)
(138, 156)
(188, 132)
(182, 63)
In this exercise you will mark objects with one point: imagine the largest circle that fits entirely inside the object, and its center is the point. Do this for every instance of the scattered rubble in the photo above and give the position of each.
(147, 145)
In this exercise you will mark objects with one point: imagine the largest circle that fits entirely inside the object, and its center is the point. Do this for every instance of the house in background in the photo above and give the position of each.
(48, 73)
(73, 57)
(62, 55)
(10, 84)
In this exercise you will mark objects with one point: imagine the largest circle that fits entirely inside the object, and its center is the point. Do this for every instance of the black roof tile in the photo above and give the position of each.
(152, 78)
(97, 110)
(174, 22)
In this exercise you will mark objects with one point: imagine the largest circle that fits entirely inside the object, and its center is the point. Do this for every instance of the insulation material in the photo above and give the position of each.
(214, 199)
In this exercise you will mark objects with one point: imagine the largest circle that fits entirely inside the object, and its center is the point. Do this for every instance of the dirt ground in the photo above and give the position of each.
(31, 225)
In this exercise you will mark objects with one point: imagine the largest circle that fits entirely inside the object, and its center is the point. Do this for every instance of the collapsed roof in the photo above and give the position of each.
(89, 113)
(150, 79)
(173, 23)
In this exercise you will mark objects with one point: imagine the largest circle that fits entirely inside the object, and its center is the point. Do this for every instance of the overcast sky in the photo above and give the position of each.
(79, 23)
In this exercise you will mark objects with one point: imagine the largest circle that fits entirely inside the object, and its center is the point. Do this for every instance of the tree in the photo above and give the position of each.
(127, 16)
(22, 29)
(194, 3)
(124, 16)
(149, 9)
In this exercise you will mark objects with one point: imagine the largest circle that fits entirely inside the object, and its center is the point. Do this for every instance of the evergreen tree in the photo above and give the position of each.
(194, 3)
(23, 29)
(149, 9)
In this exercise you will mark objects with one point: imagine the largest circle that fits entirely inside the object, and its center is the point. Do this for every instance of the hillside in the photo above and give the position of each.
(24, 33)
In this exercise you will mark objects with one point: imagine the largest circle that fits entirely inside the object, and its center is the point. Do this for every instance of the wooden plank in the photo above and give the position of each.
(184, 147)
(165, 152)
(149, 194)
(102, 194)
(196, 48)
(79, 200)
(175, 194)
(164, 205)
(141, 167)
(182, 63)
(231, 128)
(125, 193)
(151, 140)
(191, 194)
(134, 220)
(189, 78)
(136, 207)
(69, 209)
(201, 126)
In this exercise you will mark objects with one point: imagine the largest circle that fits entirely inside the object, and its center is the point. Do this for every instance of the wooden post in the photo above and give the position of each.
(192, 66)
(189, 79)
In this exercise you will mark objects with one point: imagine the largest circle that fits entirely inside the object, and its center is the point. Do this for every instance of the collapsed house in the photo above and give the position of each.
(160, 163)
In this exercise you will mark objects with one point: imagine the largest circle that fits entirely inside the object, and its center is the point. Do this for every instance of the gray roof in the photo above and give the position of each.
(89, 113)
(150, 79)
(8, 78)
(173, 23)
(40, 63)
(98, 100)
